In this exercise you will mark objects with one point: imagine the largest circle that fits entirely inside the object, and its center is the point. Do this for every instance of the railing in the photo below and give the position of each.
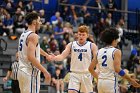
(132, 22)
(80, 6)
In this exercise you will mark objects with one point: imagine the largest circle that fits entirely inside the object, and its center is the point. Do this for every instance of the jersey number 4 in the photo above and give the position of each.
(80, 57)
(104, 57)
(20, 45)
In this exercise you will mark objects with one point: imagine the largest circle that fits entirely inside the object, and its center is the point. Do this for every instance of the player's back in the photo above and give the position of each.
(105, 59)
(24, 64)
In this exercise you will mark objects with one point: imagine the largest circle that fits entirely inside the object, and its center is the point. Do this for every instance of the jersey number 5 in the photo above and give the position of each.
(20, 45)
(104, 57)
(80, 56)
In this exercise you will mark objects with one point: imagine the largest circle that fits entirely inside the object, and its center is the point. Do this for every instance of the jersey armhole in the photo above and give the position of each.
(97, 55)
(27, 38)
(71, 47)
(91, 50)
(113, 53)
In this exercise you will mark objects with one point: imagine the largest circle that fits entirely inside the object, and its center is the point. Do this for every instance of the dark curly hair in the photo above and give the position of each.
(109, 35)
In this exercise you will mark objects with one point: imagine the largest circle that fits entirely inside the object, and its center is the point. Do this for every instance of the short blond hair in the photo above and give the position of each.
(83, 29)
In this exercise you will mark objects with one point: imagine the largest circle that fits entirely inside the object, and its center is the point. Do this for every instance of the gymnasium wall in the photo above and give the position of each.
(133, 4)
(134, 19)
(52, 7)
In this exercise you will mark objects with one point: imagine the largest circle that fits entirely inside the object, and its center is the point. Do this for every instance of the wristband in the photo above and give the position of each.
(121, 73)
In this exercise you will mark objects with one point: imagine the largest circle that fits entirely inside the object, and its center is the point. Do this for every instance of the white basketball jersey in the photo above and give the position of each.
(81, 56)
(24, 64)
(105, 57)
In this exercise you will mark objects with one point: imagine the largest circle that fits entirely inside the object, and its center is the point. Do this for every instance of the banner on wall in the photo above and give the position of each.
(46, 1)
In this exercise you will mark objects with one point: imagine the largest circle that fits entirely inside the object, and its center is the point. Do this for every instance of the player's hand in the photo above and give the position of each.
(135, 83)
(47, 77)
(5, 79)
(50, 57)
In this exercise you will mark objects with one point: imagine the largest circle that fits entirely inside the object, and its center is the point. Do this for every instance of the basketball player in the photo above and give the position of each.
(12, 73)
(109, 61)
(81, 55)
(29, 57)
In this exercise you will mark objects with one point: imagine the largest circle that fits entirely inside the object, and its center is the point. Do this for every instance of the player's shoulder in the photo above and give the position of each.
(70, 44)
(93, 45)
(117, 51)
(33, 36)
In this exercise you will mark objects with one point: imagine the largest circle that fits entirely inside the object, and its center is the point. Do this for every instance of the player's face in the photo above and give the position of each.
(38, 23)
(116, 43)
(82, 37)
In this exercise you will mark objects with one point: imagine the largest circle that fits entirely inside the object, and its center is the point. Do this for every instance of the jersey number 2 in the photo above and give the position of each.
(80, 56)
(20, 45)
(104, 57)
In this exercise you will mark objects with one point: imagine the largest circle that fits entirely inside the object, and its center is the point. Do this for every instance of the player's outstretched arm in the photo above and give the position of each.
(64, 54)
(94, 61)
(49, 57)
(121, 72)
(92, 68)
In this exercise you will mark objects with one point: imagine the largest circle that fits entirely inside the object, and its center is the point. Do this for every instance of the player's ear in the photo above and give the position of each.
(34, 22)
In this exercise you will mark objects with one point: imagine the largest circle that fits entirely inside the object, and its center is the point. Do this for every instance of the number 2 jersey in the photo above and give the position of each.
(81, 56)
(24, 64)
(105, 57)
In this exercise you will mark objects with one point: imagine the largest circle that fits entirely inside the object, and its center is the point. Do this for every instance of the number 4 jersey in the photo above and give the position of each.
(105, 57)
(81, 56)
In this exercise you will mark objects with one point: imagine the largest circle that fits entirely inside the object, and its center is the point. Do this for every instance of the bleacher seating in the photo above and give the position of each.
(6, 57)
(10, 51)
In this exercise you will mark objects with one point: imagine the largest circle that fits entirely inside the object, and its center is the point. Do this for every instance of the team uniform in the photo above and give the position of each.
(14, 68)
(15, 84)
(80, 78)
(28, 75)
(107, 79)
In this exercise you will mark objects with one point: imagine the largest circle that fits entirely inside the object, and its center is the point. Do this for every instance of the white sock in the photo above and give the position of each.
(58, 91)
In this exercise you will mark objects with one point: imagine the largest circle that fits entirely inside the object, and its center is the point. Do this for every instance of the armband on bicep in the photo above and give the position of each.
(121, 73)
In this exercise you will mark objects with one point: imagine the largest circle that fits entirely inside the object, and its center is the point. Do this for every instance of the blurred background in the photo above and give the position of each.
(60, 19)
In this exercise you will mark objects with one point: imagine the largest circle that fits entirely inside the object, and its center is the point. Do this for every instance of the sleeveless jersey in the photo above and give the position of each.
(24, 64)
(81, 56)
(105, 57)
